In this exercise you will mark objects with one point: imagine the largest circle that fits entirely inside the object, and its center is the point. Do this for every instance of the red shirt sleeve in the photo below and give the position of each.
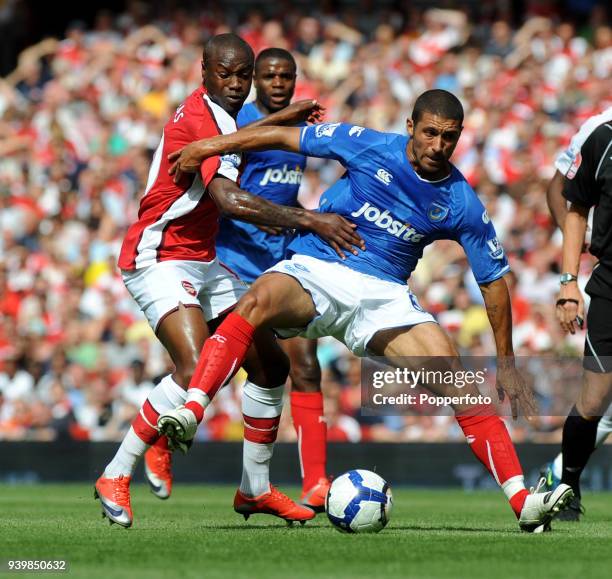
(208, 128)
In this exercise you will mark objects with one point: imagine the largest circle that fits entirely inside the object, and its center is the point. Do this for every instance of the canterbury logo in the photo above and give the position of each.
(384, 176)
(218, 338)
(356, 130)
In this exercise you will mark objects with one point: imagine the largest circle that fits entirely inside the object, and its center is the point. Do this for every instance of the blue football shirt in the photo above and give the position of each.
(276, 176)
(397, 212)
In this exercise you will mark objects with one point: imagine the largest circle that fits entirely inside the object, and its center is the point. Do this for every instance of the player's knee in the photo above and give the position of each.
(306, 375)
(254, 307)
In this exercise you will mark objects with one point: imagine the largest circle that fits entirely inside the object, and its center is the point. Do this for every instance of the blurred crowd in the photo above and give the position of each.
(80, 117)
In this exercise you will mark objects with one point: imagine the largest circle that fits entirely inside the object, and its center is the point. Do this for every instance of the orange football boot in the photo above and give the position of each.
(114, 495)
(314, 497)
(272, 503)
(158, 471)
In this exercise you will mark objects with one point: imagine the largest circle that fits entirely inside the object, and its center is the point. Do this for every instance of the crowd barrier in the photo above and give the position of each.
(413, 464)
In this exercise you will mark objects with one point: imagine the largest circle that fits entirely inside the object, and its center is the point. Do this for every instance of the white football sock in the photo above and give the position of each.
(165, 396)
(259, 402)
(513, 485)
(256, 468)
(604, 428)
(125, 460)
(557, 466)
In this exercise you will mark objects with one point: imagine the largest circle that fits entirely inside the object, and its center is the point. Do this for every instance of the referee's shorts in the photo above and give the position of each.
(598, 343)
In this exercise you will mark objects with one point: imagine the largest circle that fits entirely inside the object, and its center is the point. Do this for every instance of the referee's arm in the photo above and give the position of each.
(557, 205)
(574, 230)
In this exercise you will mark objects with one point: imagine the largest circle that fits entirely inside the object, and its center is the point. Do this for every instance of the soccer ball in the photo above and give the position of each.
(359, 501)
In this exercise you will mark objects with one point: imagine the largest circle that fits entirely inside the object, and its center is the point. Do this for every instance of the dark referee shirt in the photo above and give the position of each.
(592, 186)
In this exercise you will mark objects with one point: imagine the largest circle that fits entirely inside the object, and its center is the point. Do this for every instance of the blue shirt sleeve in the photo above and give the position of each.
(479, 240)
(339, 141)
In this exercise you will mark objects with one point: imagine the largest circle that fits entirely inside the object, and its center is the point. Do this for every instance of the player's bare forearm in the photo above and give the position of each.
(242, 205)
(509, 381)
(271, 120)
(295, 113)
(574, 230)
(499, 312)
(557, 205)
(189, 158)
(252, 139)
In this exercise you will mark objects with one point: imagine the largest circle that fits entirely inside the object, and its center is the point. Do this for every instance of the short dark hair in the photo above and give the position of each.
(438, 102)
(225, 41)
(278, 53)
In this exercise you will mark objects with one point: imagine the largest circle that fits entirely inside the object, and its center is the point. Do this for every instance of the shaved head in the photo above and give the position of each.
(226, 46)
(227, 71)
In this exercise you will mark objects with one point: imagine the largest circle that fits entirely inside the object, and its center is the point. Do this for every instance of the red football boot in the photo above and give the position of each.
(158, 471)
(114, 495)
(272, 503)
(314, 497)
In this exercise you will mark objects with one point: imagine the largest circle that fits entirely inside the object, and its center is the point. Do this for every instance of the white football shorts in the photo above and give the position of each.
(159, 288)
(351, 306)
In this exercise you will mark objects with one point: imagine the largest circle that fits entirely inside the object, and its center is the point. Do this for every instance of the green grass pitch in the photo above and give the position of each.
(197, 534)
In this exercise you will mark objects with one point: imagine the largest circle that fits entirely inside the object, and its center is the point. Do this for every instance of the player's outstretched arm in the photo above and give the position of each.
(189, 158)
(308, 110)
(239, 204)
(509, 380)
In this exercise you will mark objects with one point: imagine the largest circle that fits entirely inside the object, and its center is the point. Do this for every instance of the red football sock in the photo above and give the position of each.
(145, 424)
(261, 430)
(311, 429)
(490, 442)
(221, 357)
(518, 500)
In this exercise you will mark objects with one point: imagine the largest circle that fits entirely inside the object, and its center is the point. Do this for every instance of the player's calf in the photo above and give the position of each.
(221, 357)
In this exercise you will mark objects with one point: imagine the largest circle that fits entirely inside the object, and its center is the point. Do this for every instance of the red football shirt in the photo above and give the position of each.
(180, 221)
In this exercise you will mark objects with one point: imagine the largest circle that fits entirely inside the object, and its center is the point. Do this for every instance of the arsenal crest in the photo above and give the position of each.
(188, 287)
